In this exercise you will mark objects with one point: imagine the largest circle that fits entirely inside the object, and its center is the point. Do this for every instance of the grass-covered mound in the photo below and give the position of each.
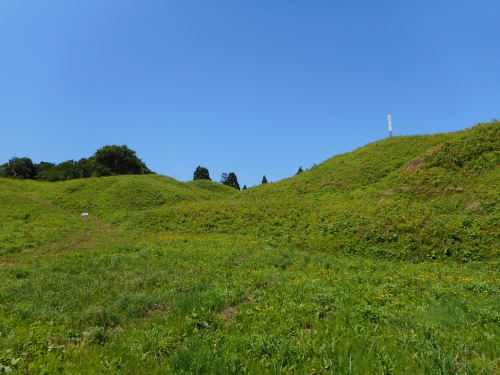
(115, 198)
(167, 277)
(34, 214)
(27, 221)
(420, 197)
(415, 198)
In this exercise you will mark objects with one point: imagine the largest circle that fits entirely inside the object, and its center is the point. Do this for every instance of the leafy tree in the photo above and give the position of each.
(230, 180)
(66, 170)
(89, 168)
(18, 168)
(116, 160)
(299, 171)
(244, 187)
(70, 169)
(43, 166)
(264, 180)
(201, 173)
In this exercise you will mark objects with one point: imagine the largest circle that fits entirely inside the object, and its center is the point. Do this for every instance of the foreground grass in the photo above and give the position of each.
(179, 304)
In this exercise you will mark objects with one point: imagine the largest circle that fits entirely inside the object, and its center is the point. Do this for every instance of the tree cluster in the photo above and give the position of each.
(107, 161)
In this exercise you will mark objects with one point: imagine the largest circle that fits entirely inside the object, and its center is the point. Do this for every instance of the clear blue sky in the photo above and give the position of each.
(255, 87)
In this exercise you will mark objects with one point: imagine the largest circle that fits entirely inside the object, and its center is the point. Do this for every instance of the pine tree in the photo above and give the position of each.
(299, 171)
(230, 180)
(244, 187)
(264, 180)
(201, 173)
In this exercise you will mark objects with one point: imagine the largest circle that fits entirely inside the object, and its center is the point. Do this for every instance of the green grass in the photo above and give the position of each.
(413, 198)
(380, 261)
(27, 221)
(219, 304)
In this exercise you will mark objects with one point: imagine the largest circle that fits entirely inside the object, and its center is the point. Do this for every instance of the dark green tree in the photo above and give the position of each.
(66, 170)
(244, 187)
(299, 171)
(91, 168)
(230, 180)
(87, 167)
(201, 173)
(116, 160)
(264, 180)
(70, 169)
(18, 168)
(43, 166)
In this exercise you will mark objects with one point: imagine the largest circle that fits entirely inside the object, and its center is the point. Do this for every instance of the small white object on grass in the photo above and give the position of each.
(84, 214)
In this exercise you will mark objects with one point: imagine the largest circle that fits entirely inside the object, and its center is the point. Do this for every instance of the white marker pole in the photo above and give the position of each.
(389, 120)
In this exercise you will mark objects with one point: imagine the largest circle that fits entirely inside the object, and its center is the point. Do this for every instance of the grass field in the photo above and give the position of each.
(380, 261)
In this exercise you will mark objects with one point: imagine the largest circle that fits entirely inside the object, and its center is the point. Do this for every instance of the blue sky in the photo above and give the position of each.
(255, 87)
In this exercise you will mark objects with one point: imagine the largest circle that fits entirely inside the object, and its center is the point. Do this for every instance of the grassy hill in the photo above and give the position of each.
(308, 275)
(414, 198)
(35, 213)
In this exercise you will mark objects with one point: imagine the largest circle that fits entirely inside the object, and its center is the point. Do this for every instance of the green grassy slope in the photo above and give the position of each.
(104, 196)
(428, 197)
(35, 214)
(197, 278)
(417, 197)
(27, 221)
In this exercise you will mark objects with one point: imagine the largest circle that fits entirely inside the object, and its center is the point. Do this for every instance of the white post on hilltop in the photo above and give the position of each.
(389, 120)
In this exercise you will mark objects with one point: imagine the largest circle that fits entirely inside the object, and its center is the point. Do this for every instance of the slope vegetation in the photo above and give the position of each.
(304, 276)
(415, 198)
